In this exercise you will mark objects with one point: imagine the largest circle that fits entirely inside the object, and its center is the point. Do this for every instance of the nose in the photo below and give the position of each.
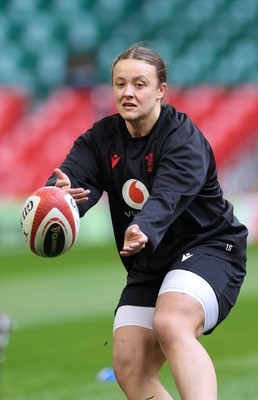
(128, 90)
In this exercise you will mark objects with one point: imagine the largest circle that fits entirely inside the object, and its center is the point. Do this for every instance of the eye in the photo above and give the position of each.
(120, 84)
(139, 85)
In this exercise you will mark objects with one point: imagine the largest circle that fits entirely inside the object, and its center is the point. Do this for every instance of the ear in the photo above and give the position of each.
(161, 91)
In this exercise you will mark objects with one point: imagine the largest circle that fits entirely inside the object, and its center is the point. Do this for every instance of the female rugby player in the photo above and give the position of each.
(182, 246)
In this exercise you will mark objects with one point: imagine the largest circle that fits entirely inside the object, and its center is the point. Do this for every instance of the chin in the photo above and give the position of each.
(129, 116)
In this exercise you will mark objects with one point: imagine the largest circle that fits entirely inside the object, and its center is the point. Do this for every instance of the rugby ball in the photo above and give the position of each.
(50, 221)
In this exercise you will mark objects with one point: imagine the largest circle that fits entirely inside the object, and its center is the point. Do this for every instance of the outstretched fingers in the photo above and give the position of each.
(80, 195)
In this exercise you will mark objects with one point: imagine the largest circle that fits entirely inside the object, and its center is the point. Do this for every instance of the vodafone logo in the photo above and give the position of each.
(135, 193)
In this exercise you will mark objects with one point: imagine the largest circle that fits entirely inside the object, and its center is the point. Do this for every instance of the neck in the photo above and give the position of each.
(142, 127)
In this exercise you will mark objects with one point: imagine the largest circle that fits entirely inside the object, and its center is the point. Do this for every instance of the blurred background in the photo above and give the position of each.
(55, 59)
(55, 82)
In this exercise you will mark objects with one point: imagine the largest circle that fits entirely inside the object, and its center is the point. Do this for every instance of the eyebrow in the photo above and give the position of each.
(139, 77)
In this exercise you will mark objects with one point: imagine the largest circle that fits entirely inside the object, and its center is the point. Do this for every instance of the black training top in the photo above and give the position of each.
(166, 182)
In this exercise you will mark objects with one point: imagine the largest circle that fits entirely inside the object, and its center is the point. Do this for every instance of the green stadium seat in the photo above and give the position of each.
(109, 12)
(3, 5)
(245, 51)
(24, 10)
(233, 68)
(200, 11)
(252, 75)
(39, 32)
(250, 30)
(204, 49)
(132, 29)
(175, 40)
(222, 28)
(159, 12)
(83, 33)
(226, 72)
(5, 29)
(10, 61)
(186, 69)
(51, 68)
(244, 12)
(66, 10)
(106, 54)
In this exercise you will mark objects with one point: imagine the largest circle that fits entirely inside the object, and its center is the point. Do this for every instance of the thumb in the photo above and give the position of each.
(59, 173)
(62, 179)
(134, 230)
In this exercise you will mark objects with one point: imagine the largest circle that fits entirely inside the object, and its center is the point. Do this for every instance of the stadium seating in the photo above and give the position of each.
(210, 49)
(38, 141)
(212, 42)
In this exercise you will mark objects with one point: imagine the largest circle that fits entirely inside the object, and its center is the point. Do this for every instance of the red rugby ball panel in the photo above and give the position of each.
(50, 221)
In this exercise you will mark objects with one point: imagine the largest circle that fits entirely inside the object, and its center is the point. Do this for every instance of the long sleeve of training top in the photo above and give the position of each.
(81, 166)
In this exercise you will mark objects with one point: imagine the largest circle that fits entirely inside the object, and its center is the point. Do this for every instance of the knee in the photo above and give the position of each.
(168, 330)
(124, 368)
(177, 318)
(134, 368)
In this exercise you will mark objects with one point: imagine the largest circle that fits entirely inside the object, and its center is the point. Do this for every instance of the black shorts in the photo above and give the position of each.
(223, 276)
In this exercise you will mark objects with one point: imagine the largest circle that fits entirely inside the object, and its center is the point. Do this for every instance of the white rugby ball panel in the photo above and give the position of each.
(53, 236)
(27, 216)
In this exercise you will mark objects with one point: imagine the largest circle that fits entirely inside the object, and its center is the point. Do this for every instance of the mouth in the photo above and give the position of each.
(128, 105)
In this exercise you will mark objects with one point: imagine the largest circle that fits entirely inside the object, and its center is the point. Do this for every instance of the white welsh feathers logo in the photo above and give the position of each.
(135, 193)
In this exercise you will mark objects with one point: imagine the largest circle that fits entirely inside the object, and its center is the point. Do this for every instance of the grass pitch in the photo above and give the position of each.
(64, 312)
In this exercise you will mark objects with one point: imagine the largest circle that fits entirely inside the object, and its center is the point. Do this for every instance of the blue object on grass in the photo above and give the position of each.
(106, 375)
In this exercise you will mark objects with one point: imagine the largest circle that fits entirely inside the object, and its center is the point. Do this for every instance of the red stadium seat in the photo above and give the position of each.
(233, 122)
(13, 105)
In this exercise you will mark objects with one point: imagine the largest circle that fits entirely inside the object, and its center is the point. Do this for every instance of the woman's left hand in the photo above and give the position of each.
(135, 240)
(80, 195)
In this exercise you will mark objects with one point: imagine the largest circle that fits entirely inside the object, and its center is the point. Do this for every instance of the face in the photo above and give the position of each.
(137, 91)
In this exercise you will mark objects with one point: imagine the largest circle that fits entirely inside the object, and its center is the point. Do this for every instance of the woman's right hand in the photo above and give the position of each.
(80, 195)
(134, 241)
